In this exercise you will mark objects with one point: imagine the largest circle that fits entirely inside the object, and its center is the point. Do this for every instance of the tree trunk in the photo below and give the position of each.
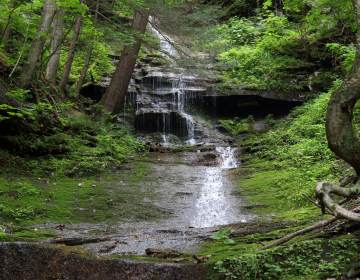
(71, 55)
(87, 57)
(6, 34)
(38, 43)
(342, 138)
(54, 60)
(7, 29)
(114, 97)
(84, 70)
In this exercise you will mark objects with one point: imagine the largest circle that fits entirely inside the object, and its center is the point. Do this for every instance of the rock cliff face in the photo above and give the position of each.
(29, 262)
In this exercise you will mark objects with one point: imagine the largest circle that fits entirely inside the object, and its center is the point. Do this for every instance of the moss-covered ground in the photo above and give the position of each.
(76, 180)
(278, 177)
(107, 198)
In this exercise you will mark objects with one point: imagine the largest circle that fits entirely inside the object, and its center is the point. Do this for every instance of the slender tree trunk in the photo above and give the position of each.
(84, 71)
(7, 30)
(6, 34)
(58, 33)
(38, 43)
(114, 97)
(71, 55)
(87, 57)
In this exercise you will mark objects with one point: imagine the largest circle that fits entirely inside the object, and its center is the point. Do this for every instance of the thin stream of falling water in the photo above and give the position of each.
(212, 205)
(165, 141)
(178, 88)
(165, 42)
(228, 157)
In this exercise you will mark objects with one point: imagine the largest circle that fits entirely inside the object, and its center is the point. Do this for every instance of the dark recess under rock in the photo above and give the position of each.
(245, 105)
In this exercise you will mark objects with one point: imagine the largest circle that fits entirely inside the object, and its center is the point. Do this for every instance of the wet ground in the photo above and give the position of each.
(191, 195)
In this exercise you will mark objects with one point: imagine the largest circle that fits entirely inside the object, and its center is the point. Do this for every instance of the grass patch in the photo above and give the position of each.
(282, 166)
(25, 202)
(280, 170)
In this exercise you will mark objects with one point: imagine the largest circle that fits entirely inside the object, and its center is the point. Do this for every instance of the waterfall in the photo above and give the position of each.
(154, 104)
(227, 157)
(212, 205)
(166, 44)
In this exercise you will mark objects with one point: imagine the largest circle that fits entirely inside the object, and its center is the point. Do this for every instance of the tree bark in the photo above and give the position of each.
(6, 34)
(89, 53)
(38, 43)
(58, 33)
(342, 138)
(114, 97)
(71, 55)
(13, 5)
(84, 70)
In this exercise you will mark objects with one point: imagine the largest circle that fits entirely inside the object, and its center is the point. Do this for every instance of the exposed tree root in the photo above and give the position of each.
(303, 231)
(312, 228)
(324, 191)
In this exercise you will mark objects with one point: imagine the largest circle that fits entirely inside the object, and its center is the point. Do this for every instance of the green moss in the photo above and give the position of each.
(284, 164)
(236, 127)
(105, 199)
(279, 173)
(312, 259)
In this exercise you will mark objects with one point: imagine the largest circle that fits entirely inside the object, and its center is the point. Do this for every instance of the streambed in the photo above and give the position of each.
(191, 198)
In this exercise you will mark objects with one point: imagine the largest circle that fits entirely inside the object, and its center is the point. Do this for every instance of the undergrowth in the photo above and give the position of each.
(56, 167)
(283, 165)
(311, 259)
(76, 144)
(278, 176)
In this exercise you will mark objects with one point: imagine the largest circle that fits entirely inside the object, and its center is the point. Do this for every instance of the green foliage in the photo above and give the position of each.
(18, 94)
(90, 146)
(223, 235)
(346, 55)
(236, 126)
(284, 51)
(313, 259)
(259, 57)
(242, 31)
(286, 163)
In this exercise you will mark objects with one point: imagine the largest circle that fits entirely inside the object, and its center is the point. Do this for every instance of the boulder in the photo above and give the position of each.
(30, 261)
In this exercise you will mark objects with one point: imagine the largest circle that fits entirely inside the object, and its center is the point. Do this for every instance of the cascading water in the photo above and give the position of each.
(161, 102)
(213, 206)
(227, 157)
(166, 44)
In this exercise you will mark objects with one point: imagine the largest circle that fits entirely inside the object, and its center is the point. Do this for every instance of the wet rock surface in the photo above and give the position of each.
(192, 190)
(188, 181)
(30, 261)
